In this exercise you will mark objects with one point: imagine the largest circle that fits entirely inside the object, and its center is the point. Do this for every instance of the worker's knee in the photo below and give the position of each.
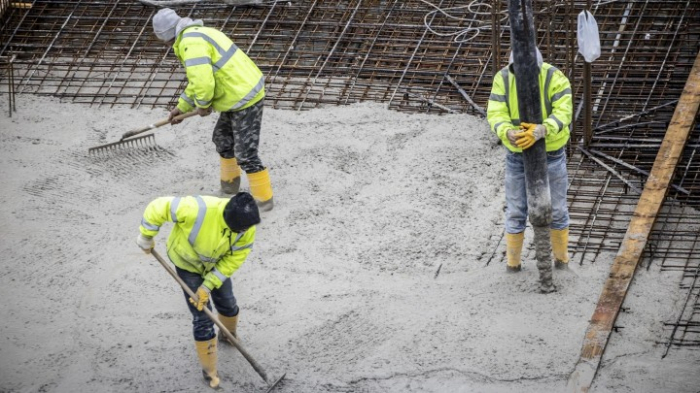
(516, 214)
(224, 300)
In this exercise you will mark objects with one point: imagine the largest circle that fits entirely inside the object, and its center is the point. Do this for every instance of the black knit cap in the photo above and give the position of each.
(241, 212)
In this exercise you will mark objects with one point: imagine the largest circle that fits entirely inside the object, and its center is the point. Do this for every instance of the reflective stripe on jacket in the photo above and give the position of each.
(219, 74)
(200, 242)
(556, 100)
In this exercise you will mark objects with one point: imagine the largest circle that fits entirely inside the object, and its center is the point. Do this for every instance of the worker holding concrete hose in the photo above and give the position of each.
(503, 117)
(222, 78)
(210, 240)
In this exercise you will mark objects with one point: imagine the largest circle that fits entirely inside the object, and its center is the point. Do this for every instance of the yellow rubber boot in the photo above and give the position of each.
(230, 176)
(514, 248)
(560, 247)
(229, 323)
(206, 350)
(261, 189)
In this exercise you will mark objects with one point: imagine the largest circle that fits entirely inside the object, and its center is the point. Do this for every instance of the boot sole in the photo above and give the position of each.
(231, 187)
(265, 206)
(514, 269)
(207, 379)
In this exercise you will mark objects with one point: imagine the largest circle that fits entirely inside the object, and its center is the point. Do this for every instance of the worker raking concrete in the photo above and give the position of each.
(553, 128)
(222, 78)
(210, 240)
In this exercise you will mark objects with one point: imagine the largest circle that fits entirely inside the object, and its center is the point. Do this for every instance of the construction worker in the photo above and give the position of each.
(210, 240)
(221, 77)
(503, 117)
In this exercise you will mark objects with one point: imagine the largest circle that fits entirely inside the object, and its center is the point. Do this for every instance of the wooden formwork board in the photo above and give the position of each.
(641, 224)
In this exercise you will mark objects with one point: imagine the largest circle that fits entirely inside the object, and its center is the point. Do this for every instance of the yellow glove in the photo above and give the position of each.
(531, 133)
(202, 297)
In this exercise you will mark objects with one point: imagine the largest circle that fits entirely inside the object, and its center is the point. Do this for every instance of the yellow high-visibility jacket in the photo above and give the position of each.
(556, 100)
(200, 241)
(219, 73)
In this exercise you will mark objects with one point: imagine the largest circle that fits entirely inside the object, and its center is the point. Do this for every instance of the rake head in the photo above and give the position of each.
(141, 143)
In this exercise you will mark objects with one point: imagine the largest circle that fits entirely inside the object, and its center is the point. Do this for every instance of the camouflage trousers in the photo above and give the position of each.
(237, 134)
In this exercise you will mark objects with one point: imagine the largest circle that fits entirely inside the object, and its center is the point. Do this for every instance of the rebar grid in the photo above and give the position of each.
(414, 57)
(4, 5)
(332, 52)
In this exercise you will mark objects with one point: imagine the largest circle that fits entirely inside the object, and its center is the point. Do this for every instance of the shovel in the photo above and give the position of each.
(126, 143)
(271, 384)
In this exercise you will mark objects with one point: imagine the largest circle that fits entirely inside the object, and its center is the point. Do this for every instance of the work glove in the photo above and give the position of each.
(202, 298)
(530, 134)
(145, 242)
(172, 114)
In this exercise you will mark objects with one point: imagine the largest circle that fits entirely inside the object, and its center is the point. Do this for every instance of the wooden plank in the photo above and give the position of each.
(637, 235)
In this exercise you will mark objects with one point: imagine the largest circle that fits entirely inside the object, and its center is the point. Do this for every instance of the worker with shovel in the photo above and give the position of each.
(222, 78)
(210, 240)
(504, 119)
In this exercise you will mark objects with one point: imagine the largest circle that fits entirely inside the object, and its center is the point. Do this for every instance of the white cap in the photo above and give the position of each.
(539, 57)
(164, 24)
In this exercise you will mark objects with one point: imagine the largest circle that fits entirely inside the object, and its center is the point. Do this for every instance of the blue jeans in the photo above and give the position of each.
(224, 301)
(516, 195)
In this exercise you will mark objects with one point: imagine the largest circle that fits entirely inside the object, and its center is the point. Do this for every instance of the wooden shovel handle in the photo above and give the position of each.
(214, 319)
(160, 123)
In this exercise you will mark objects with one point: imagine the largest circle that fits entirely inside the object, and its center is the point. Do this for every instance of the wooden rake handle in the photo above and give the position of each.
(160, 123)
(214, 319)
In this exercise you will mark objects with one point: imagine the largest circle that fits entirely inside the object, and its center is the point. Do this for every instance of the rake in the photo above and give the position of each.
(130, 142)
